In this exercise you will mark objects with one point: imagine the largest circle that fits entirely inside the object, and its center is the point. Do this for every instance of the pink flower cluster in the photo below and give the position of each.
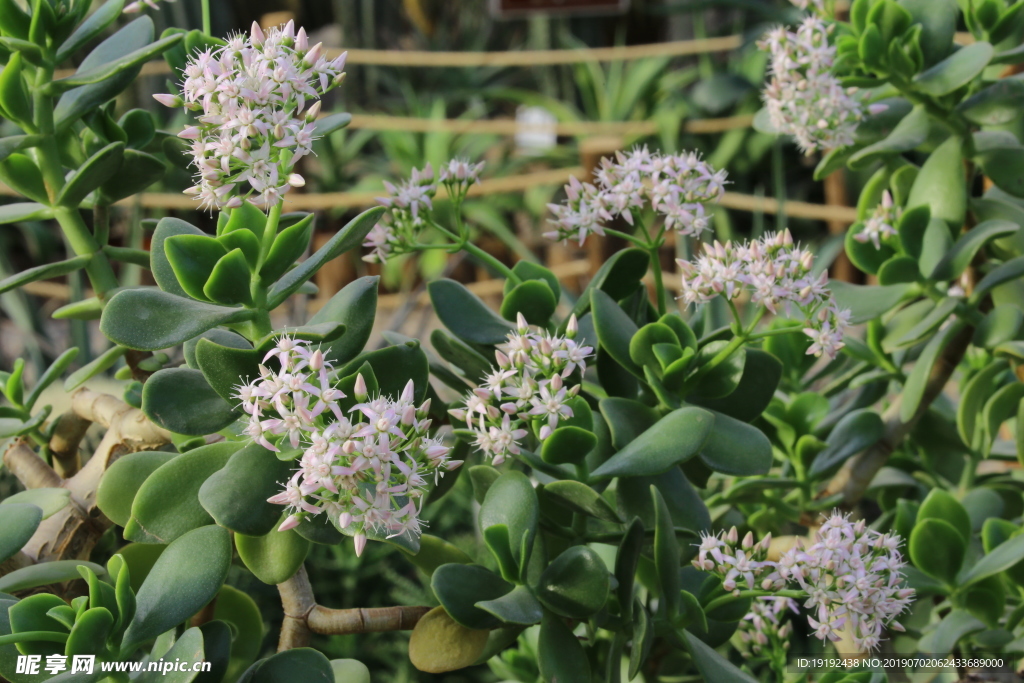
(676, 186)
(253, 123)
(763, 625)
(777, 275)
(851, 575)
(411, 201)
(368, 469)
(881, 224)
(527, 386)
(804, 98)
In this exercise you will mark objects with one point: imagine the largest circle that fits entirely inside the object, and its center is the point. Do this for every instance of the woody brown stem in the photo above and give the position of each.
(72, 532)
(25, 464)
(853, 479)
(303, 617)
(67, 435)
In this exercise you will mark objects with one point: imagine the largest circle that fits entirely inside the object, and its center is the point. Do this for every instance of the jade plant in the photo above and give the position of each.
(771, 468)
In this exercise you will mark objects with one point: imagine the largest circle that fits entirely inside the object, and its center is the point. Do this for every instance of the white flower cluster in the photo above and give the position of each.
(804, 99)
(882, 222)
(677, 187)
(254, 124)
(410, 201)
(777, 274)
(527, 385)
(134, 7)
(851, 574)
(762, 627)
(367, 470)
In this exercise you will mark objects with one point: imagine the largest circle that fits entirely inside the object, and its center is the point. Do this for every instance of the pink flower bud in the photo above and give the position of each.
(190, 133)
(290, 522)
(295, 180)
(360, 543)
(256, 34)
(172, 101)
(360, 391)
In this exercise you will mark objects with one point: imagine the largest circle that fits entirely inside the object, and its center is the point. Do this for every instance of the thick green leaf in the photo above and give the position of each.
(914, 387)
(854, 433)
(955, 625)
(761, 375)
(236, 495)
(189, 649)
(560, 655)
(23, 211)
(941, 184)
(106, 72)
(533, 298)
(121, 482)
(575, 584)
(77, 102)
(228, 282)
(938, 19)
(275, 557)
(865, 301)
(956, 71)
(964, 250)
(736, 448)
(999, 559)
(911, 132)
(1003, 166)
(96, 170)
(996, 105)
(459, 587)
(666, 553)
(711, 665)
(511, 502)
(181, 400)
(332, 122)
(186, 577)
(618, 277)
(1001, 324)
(354, 306)
(911, 333)
(435, 552)
(626, 419)
(723, 380)
(615, 330)
(393, 367)
(44, 271)
(973, 396)
(30, 614)
(568, 444)
(937, 549)
(90, 632)
(149, 319)
(518, 606)
(193, 258)
(346, 239)
(580, 498)
(1007, 272)
(468, 318)
(100, 364)
(675, 438)
(289, 245)
(20, 521)
(226, 367)
(108, 12)
(49, 500)
(167, 504)
(633, 495)
(22, 174)
(44, 574)
(240, 611)
(305, 664)
(163, 273)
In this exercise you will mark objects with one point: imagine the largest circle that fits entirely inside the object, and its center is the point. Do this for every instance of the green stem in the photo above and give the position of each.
(270, 231)
(733, 597)
(47, 157)
(629, 238)
(206, 18)
(34, 636)
(659, 281)
(718, 359)
(463, 244)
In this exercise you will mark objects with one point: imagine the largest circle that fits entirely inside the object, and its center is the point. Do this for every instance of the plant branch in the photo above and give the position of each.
(853, 479)
(303, 617)
(67, 435)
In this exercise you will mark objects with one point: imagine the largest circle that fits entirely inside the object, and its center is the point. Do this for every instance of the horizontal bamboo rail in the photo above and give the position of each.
(382, 122)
